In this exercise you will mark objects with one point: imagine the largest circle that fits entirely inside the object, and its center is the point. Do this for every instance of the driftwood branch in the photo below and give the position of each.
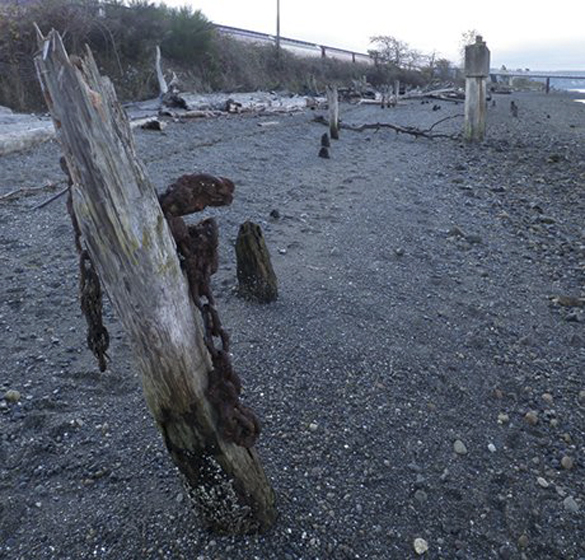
(411, 130)
(25, 191)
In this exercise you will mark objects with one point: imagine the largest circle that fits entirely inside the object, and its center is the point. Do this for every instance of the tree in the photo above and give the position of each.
(390, 50)
(467, 38)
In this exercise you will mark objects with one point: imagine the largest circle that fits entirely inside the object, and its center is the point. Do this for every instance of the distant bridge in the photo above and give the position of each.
(301, 48)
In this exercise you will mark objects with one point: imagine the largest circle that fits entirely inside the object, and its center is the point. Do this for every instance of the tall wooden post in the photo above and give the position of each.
(130, 244)
(477, 67)
(278, 29)
(333, 104)
(547, 87)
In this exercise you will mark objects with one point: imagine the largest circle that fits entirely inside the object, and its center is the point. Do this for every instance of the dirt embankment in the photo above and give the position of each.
(415, 379)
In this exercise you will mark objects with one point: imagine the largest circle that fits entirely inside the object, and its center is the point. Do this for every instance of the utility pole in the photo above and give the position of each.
(278, 29)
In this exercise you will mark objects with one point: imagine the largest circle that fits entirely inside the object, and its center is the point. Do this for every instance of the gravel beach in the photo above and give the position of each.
(420, 379)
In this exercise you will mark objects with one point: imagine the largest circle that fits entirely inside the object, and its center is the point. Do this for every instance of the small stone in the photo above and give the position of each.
(547, 398)
(313, 426)
(567, 463)
(179, 498)
(282, 251)
(531, 418)
(506, 552)
(498, 394)
(399, 251)
(523, 541)
(456, 231)
(571, 505)
(582, 397)
(573, 317)
(420, 546)
(274, 214)
(491, 448)
(420, 496)
(503, 418)
(567, 438)
(542, 482)
(459, 447)
(473, 239)
(12, 396)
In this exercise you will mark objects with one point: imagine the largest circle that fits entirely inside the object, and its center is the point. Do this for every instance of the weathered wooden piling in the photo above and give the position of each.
(256, 277)
(477, 66)
(125, 233)
(333, 104)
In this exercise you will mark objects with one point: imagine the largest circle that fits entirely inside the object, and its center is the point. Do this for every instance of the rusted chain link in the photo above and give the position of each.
(197, 247)
(90, 291)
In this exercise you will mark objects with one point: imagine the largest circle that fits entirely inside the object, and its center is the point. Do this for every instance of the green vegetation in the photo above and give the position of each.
(123, 37)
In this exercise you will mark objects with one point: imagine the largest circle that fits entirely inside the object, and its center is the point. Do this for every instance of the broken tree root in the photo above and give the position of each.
(411, 130)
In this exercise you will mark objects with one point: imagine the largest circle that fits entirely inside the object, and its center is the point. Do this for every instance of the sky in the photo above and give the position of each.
(540, 35)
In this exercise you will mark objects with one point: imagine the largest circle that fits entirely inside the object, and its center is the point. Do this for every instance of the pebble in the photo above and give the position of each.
(582, 396)
(503, 418)
(547, 398)
(531, 418)
(542, 482)
(523, 541)
(399, 251)
(571, 505)
(313, 426)
(473, 239)
(420, 546)
(459, 447)
(420, 496)
(567, 463)
(12, 396)
(491, 448)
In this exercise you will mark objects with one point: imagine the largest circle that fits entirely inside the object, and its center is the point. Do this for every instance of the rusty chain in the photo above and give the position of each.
(197, 246)
(90, 291)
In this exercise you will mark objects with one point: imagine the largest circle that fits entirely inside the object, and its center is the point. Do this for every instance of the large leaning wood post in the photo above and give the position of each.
(129, 241)
(477, 69)
(333, 104)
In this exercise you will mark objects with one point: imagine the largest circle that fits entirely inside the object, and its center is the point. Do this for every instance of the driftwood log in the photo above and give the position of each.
(129, 241)
(256, 277)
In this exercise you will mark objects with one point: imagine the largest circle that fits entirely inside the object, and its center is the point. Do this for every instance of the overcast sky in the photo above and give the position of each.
(540, 35)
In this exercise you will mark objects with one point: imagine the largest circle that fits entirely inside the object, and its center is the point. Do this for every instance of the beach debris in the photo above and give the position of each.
(324, 152)
(154, 124)
(325, 140)
(412, 130)
(568, 301)
(514, 109)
